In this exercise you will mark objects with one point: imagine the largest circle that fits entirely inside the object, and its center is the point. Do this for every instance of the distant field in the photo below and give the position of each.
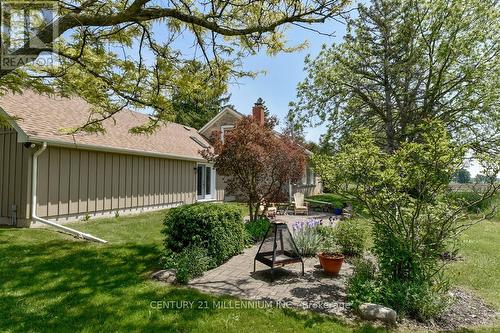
(457, 187)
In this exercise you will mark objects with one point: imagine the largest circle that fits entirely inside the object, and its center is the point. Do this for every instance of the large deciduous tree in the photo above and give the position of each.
(403, 62)
(143, 53)
(257, 163)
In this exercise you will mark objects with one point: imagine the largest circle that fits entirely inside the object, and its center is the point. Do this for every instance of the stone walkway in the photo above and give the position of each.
(314, 291)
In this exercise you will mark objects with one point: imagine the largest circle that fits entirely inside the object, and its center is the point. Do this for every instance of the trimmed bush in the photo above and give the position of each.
(218, 228)
(351, 236)
(257, 229)
(191, 263)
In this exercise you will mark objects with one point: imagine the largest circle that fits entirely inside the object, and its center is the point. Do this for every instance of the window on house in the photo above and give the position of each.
(224, 129)
(312, 178)
(309, 177)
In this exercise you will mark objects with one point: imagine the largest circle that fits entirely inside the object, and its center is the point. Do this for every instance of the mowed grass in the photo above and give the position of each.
(479, 266)
(52, 282)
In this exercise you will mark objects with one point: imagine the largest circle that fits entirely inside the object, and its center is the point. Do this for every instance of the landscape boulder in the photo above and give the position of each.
(165, 275)
(370, 311)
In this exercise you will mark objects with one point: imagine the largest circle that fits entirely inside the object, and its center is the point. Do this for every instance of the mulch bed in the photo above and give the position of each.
(466, 310)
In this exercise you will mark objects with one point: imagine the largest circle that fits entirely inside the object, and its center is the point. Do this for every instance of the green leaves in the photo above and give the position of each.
(119, 54)
(414, 217)
(404, 62)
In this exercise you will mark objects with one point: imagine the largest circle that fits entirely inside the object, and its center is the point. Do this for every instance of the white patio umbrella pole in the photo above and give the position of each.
(34, 203)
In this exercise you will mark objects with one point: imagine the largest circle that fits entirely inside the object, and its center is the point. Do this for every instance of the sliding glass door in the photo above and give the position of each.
(205, 182)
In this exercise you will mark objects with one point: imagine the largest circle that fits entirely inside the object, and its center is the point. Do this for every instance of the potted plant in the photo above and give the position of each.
(330, 256)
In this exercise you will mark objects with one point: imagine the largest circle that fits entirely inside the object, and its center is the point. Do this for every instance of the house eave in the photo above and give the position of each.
(75, 145)
(22, 137)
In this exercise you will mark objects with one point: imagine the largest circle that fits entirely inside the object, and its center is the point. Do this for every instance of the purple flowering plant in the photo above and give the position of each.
(307, 237)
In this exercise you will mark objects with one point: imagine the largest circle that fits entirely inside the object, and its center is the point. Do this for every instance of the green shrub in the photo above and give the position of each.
(468, 198)
(216, 227)
(257, 229)
(191, 263)
(416, 298)
(362, 286)
(351, 235)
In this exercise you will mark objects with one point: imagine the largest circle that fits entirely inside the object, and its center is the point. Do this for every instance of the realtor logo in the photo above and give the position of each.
(22, 23)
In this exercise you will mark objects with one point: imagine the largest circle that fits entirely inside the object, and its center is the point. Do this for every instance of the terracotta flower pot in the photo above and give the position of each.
(331, 262)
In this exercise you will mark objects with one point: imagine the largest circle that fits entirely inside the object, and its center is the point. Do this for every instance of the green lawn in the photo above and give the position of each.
(51, 282)
(479, 269)
(338, 201)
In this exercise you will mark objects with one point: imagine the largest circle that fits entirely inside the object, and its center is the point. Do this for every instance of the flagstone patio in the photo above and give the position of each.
(314, 291)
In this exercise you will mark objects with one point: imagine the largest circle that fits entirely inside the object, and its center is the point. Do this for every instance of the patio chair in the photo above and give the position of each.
(271, 210)
(347, 211)
(299, 205)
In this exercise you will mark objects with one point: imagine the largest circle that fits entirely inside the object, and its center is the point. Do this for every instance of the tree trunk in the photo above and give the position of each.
(250, 212)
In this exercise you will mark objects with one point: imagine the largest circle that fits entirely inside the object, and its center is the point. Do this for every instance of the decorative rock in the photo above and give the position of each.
(370, 311)
(165, 275)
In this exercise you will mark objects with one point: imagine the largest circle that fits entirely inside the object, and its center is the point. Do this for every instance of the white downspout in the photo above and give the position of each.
(34, 171)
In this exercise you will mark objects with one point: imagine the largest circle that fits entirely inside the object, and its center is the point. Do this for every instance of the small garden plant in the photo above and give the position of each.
(257, 229)
(351, 237)
(306, 237)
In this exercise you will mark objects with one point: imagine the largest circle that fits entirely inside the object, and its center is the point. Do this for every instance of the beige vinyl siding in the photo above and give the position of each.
(219, 187)
(76, 182)
(73, 182)
(309, 190)
(99, 200)
(15, 163)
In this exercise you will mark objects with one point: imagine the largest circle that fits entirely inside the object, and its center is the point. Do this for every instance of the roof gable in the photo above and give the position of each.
(227, 116)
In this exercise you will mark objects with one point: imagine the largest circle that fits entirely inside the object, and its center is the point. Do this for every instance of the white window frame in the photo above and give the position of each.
(309, 178)
(223, 128)
(204, 196)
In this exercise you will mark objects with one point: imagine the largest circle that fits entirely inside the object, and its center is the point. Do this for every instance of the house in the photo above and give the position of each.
(227, 119)
(88, 175)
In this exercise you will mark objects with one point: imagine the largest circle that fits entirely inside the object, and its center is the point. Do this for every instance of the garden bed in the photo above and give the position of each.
(466, 310)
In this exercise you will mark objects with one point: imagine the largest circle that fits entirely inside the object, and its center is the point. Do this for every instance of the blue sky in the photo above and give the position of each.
(278, 85)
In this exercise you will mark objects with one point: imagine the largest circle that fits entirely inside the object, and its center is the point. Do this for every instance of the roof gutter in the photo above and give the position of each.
(71, 231)
(126, 151)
